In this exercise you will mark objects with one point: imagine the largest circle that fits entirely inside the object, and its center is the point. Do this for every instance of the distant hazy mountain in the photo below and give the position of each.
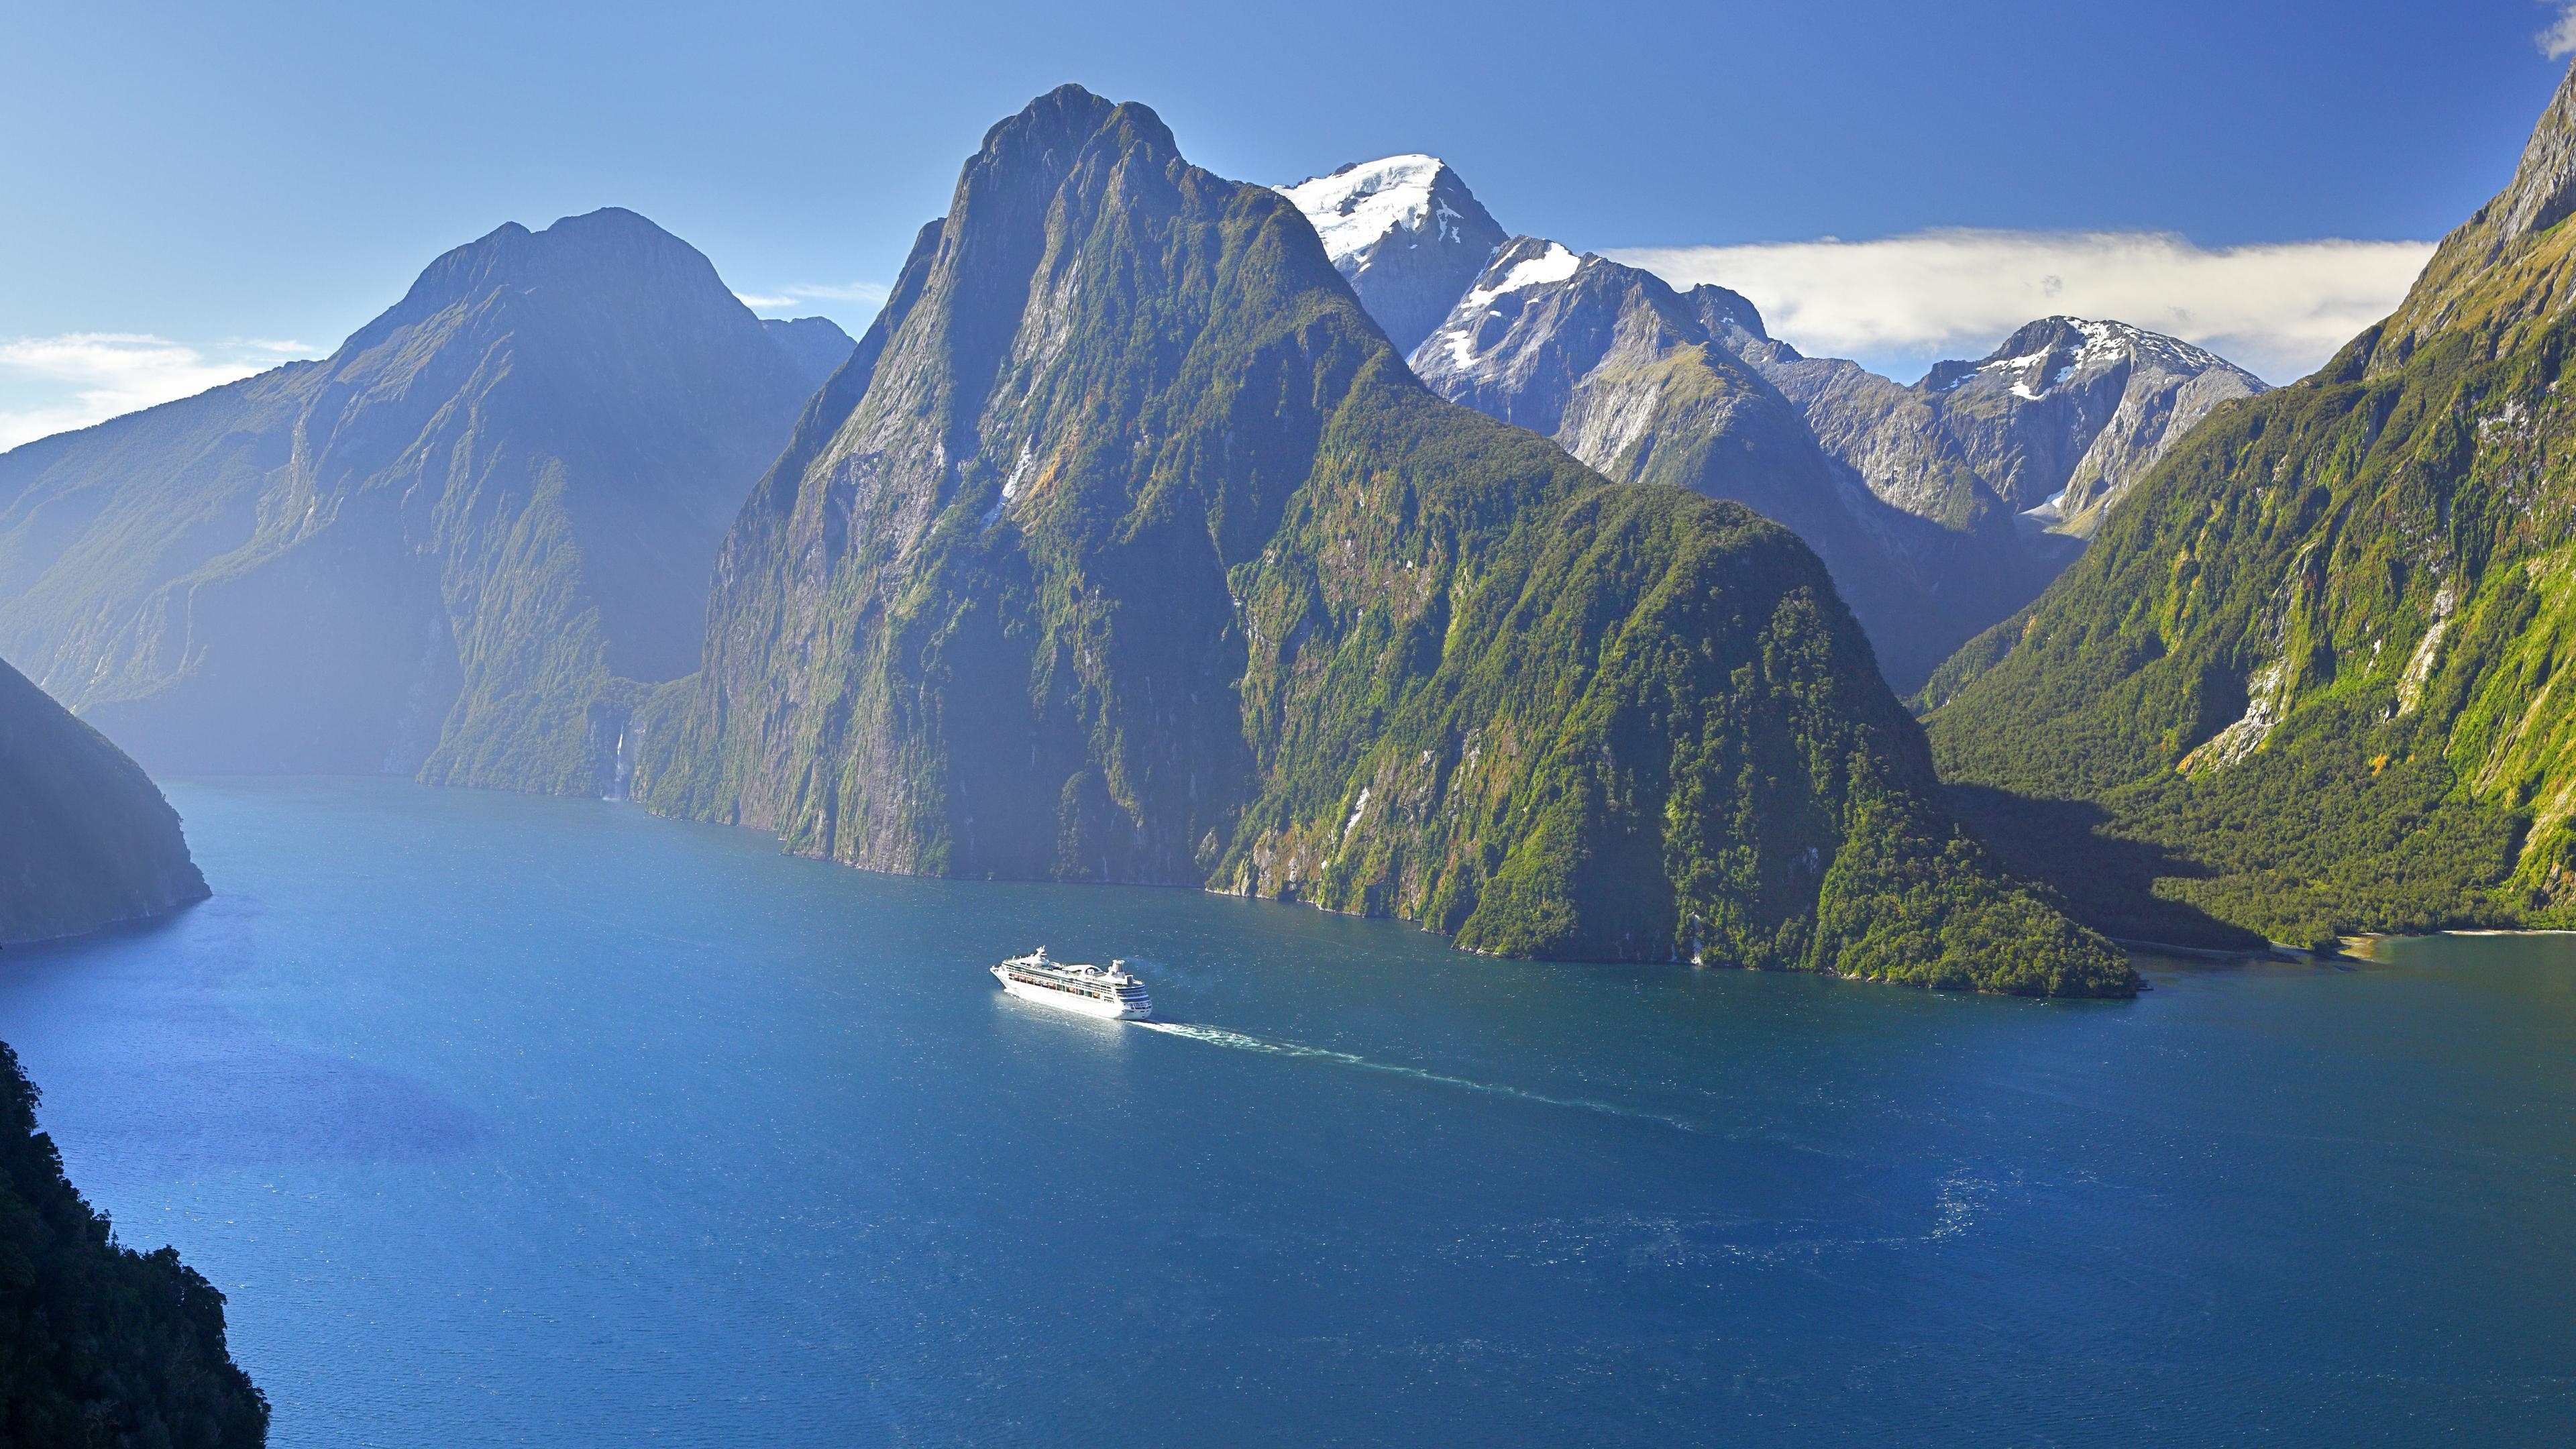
(460, 545)
(1405, 232)
(1125, 548)
(817, 343)
(85, 838)
(2058, 421)
(1915, 497)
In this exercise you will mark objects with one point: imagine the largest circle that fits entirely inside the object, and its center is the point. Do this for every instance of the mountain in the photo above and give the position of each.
(1940, 508)
(99, 1344)
(2056, 423)
(2306, 679)
(85, 838)
(1651, 385)
(461, 545)
(1407, 235)
(818, 344)
(1126, 548)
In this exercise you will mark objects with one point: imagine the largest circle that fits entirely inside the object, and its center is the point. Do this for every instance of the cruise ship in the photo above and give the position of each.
(1090, 990)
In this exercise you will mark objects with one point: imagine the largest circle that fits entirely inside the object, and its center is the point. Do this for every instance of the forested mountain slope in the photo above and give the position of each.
(85, 838)
(1126, 548)
(461, 545)
(2310, 678)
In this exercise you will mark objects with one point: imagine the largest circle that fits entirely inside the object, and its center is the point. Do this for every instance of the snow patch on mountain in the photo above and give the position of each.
(1524, 265)
(1353, 209)
(1546, 269)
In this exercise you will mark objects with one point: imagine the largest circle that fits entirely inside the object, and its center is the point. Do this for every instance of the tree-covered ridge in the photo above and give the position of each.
(2315, 662)
(1125, 548)
(1653, 733)
(86, 840)
(101, 1347)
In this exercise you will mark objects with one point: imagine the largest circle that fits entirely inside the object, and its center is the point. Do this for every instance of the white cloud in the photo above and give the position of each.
(2558, 39)
(80, 378)
(805, 292)
(1904, 302)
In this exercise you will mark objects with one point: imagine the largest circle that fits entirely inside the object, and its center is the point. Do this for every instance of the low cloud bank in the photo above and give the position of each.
(55, 384)
(785, 298)
(1902, 303)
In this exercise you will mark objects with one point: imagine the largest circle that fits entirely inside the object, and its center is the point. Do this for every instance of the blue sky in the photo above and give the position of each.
(223, 178)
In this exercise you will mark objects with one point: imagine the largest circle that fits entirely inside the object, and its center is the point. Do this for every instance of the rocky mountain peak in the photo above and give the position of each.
(1026, 158)
(1405, 232)
(1360, 203)
(2050, 353)
(599, 264)
(1061, 121)
(1487, 318)
(2543, 192)
(2501, 272)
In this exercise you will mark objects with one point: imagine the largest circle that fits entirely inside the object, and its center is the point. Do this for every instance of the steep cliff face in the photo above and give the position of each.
(2311, 665)
(1405, 232)
(1126, 548)
(85, 838)
(458, 546)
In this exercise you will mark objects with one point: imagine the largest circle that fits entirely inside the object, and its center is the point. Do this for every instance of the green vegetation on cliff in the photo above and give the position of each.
(101, 1347)
(1125, 548)
(1652, 732)
(2308, 680)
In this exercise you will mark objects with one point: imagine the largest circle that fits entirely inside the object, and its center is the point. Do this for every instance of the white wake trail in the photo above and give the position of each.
(1218, 1036)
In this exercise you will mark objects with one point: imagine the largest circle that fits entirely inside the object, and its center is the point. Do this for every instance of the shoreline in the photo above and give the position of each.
(2365, 946)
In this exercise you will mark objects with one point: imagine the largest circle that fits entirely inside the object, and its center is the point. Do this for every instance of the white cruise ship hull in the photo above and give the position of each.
(1073, 1001)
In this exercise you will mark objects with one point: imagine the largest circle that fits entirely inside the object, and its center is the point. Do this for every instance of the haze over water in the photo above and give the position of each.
(507, 1120)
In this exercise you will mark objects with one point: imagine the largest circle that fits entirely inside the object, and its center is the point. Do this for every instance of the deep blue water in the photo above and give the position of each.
(518, 1121)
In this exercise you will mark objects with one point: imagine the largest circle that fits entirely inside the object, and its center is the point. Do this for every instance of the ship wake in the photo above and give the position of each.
(1238, 1041)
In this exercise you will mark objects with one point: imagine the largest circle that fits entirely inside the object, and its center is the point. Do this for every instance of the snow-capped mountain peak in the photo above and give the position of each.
(2045, 354)
(1357, 206)
(1405, 232)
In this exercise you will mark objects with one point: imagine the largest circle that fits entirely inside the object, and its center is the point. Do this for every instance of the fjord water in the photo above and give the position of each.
(507, 1120)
